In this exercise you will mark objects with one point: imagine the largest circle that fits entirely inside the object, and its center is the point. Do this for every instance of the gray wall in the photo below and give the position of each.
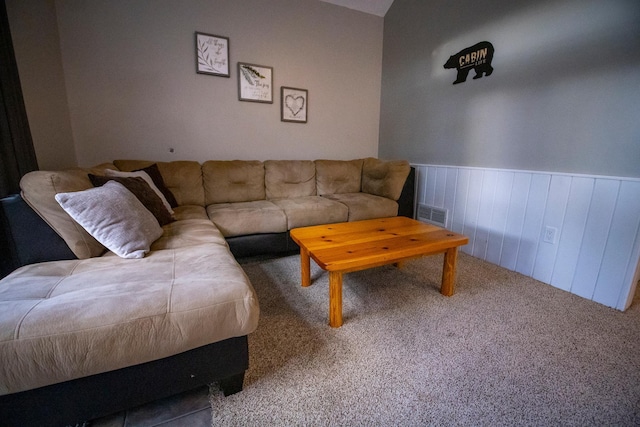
(564, 95)
(133, 90)
(34, 32)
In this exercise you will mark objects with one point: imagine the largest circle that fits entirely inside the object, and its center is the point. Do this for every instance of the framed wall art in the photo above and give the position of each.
(212, 55)
(255, 83)
(294, 104)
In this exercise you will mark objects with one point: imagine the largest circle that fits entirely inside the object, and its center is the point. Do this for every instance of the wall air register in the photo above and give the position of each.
(432, 215)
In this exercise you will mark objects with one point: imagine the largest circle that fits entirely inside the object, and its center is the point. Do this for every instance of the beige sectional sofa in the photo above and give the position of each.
(253, 197)
(68, 322)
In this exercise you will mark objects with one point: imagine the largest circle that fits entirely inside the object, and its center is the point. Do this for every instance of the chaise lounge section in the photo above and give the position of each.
(90, 332)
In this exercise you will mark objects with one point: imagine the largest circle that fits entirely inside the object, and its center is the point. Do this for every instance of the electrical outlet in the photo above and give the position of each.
(550, 234)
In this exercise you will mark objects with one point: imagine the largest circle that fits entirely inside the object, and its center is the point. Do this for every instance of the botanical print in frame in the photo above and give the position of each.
(294, 104)
(212, 55)
(255, 83)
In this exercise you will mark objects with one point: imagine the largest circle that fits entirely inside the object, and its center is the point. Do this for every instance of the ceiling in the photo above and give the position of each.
(374, 7)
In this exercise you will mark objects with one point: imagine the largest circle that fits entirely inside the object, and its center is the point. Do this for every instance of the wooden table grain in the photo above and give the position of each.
(351, 246)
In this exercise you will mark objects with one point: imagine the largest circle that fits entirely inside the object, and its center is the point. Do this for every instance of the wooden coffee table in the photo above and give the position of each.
(351, 246)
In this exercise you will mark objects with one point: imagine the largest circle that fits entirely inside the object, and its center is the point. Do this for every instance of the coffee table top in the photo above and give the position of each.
(350, 246)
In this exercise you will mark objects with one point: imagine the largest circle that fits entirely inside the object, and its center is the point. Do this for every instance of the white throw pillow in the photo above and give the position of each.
(147, 178)
(114, 217)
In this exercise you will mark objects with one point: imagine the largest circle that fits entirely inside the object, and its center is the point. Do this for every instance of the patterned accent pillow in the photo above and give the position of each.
(156, 177)
(146, 177)
(142, 191)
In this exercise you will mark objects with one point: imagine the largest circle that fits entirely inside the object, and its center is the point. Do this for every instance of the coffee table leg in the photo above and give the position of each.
(305, 267)
(449, 272)
(335, 299)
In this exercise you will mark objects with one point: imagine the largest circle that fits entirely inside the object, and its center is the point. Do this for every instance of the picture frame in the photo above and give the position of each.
(212, 55)
(294, 103)
(255, 83)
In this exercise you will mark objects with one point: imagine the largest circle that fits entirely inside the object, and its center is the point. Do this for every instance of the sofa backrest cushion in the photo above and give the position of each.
(39, 189)
(233, 181)
(338, 176)
(183, 178)
(384, 178)
(289, 178)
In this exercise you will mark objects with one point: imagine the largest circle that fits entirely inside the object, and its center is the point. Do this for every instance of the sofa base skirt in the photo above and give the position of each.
(260, 244)
(83, 399)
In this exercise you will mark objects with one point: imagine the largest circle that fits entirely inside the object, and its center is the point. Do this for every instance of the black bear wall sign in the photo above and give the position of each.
(477, 57)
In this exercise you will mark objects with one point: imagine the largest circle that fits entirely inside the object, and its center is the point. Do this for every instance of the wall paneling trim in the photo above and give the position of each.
(596, 249)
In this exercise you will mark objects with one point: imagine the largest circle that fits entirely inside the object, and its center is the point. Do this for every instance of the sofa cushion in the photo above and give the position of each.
(289, 178)
(182, 178)
(233, 181)
(243, 218)
(190, 212)
(312, 210)
(384, 178)
(338, 176)
(366, 206)
(39, 189)
(188, 232)
(142, 191)
(70, 319)
(115, 217)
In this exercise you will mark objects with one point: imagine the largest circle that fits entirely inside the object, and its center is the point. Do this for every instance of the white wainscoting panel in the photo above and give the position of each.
(596, 252)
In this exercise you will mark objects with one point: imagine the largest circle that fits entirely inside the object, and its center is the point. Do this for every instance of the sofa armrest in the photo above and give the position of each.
(26, 237)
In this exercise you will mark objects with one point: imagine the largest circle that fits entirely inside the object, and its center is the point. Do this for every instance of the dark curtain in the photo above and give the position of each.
(17, 156)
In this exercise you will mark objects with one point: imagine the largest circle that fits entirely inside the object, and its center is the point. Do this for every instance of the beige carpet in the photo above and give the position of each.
(505, 350)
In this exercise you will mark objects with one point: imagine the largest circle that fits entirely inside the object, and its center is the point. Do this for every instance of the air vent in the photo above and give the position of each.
(432, 215)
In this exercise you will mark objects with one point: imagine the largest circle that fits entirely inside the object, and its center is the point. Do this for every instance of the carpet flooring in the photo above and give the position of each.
(504, 350)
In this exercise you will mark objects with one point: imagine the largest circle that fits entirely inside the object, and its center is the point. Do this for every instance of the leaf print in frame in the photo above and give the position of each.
(212, 55)
(255, 83)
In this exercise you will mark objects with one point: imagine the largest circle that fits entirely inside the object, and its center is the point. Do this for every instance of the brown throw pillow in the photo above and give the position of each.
(142, 191)
(156, 177)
